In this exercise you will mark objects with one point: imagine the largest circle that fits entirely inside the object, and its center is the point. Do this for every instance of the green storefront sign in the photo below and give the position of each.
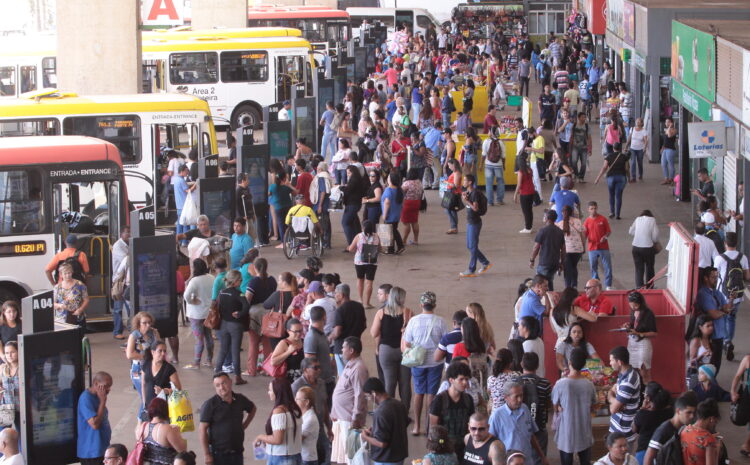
(694, 59)
(691, 100)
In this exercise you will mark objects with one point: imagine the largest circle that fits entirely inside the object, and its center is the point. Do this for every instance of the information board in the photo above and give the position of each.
(52, 379)
(280, 139)
(304, 110)
(217, 201)
(37, 312)
(254, 161)
(154, 281)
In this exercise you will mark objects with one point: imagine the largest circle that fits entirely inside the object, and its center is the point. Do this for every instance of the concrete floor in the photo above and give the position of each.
(434, 265)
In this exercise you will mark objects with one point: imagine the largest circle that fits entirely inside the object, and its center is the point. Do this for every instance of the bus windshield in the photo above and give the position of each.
(21, 209)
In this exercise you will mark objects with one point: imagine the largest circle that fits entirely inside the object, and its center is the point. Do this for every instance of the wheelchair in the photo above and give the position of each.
(302, 236)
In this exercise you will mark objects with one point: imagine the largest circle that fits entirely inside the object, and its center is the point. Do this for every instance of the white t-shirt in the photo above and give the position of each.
(174, 165)
(310, 431)
(721, 265)
(706, 251)
(14, 460)
(638, 139)
(283, 114)
(536, 346)
(485, 150)
(202, 286)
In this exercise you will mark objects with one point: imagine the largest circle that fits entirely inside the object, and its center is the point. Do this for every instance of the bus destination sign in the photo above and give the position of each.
(14, 249)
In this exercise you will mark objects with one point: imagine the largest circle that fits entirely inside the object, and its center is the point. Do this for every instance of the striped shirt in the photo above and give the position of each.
(629, 393)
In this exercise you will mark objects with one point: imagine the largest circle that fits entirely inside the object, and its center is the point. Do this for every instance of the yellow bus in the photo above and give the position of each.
(142, 126)
(237, 71)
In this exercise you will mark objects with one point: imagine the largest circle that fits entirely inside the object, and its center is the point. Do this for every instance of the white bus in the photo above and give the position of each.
(141, 126)
(418, 20)
(237, 71)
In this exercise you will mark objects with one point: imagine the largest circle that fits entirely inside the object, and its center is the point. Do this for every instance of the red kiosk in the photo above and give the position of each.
(671, 307)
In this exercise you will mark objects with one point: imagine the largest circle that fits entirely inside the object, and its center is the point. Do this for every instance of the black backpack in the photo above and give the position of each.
(671, 452)
(530, 396)
(481, 203)
(77, 267)
(716, 238)
(733, 279)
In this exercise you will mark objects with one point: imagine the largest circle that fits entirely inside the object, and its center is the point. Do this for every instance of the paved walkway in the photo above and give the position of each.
(434, 265)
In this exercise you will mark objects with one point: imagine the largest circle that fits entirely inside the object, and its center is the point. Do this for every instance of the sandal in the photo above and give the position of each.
(744, 453)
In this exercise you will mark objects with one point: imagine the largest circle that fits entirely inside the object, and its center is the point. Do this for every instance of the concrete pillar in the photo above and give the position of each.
(99, 46)
(208, 14)
(654, 139)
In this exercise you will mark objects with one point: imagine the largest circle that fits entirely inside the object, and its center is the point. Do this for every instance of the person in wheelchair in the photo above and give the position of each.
(300, 210)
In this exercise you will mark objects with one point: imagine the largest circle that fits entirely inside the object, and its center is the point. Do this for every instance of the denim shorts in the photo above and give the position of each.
(427, 379)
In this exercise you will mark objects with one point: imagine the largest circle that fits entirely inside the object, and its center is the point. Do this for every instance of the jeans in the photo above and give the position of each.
(548, 272)
(230, 338)
(350, 222)
(295, 459)
(472, 243)
(394, 373)
(415, 109)
(227, 458)
(667, 162)
(717, 353)
(643, 259)
(636, 160)
(584, 457)
(616, 184)
(261, 222)
(280, 218)
(578, 158)
(731, 322)
(603, 255)
(527, 207)
(446, 120)
(324, 447)
(570, 269)
(388, 463)
(325, 225)
(397, 240)
(453, 217)
(340, 176)
(490, 174)
(524, 85)
(119, 305)
(202, 338)
(329, 142)
(181, 228)
(373, 212)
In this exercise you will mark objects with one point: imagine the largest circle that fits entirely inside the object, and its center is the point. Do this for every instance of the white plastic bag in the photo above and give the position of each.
(362, 457)
(190, 213)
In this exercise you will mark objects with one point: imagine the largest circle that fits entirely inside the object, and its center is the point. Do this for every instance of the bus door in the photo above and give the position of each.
(153, 76)
(91, 211)
(169, 138)
(405, 18)
(290, 72)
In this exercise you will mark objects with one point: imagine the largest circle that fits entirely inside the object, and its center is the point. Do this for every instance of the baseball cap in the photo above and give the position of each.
(72, 239)
(315, 286)
(286, 102)
(428, 298)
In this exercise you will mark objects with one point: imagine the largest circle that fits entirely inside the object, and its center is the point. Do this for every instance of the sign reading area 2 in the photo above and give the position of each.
(694, 59)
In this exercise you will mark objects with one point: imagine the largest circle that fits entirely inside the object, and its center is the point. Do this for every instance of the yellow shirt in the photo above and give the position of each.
(300, 211)
(537, 143)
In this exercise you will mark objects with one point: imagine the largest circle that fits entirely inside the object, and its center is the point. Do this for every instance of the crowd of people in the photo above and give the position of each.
(475, 399)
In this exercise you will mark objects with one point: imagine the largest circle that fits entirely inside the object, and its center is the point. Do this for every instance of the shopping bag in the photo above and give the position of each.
(190, 213)
(353, 443)
(181, 411)
(362, 457)
(385, 232)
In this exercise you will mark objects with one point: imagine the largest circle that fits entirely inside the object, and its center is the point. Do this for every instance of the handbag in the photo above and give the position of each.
(274, 371)
(213, 320)
(423, 203)
(7, 415)
(414, 356)
(739, 412)
(451, 201)
(658, 247)
(118, 289)
(272, 324)
(385, 233)
(136, 456)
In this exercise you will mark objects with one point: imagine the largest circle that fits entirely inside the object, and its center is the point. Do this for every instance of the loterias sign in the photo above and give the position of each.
(707, 139)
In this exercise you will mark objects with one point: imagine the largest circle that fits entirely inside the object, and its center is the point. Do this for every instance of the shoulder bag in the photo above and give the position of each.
(213, 320)
(739, 412)
(274, 371)
(136, 456)
(414, 356)
(272, 324)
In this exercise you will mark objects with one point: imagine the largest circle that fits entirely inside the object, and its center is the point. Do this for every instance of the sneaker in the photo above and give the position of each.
(227, 369)
(525, 231)
(730, 351)
(484, 268)
(467, 274)
(192, 366)
(207, 363)
(609, 288)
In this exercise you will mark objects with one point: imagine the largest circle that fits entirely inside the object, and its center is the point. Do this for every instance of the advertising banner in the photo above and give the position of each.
(596, 13)
(628, 23)
(707, 139)
(614, 17)
(694, 59)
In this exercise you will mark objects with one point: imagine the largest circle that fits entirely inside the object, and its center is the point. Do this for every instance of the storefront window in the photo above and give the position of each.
(547, 17)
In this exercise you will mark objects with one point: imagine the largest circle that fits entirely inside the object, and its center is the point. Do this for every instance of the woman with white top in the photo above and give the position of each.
(528, 329)
(645, 237)
(283, 438)
(198, 300)
(305, 399)
(574, 240)
(637, 142)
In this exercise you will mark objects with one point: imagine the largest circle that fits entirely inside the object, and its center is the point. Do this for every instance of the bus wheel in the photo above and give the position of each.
(246, 110)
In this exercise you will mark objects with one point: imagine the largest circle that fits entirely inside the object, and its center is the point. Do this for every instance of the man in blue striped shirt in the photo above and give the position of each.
(625, 395)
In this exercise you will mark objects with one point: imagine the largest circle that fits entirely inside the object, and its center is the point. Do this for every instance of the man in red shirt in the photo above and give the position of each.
(490, 120)
(399, 150)
(592, 299)
(304, 179)
(597, 231)
(391, 76)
